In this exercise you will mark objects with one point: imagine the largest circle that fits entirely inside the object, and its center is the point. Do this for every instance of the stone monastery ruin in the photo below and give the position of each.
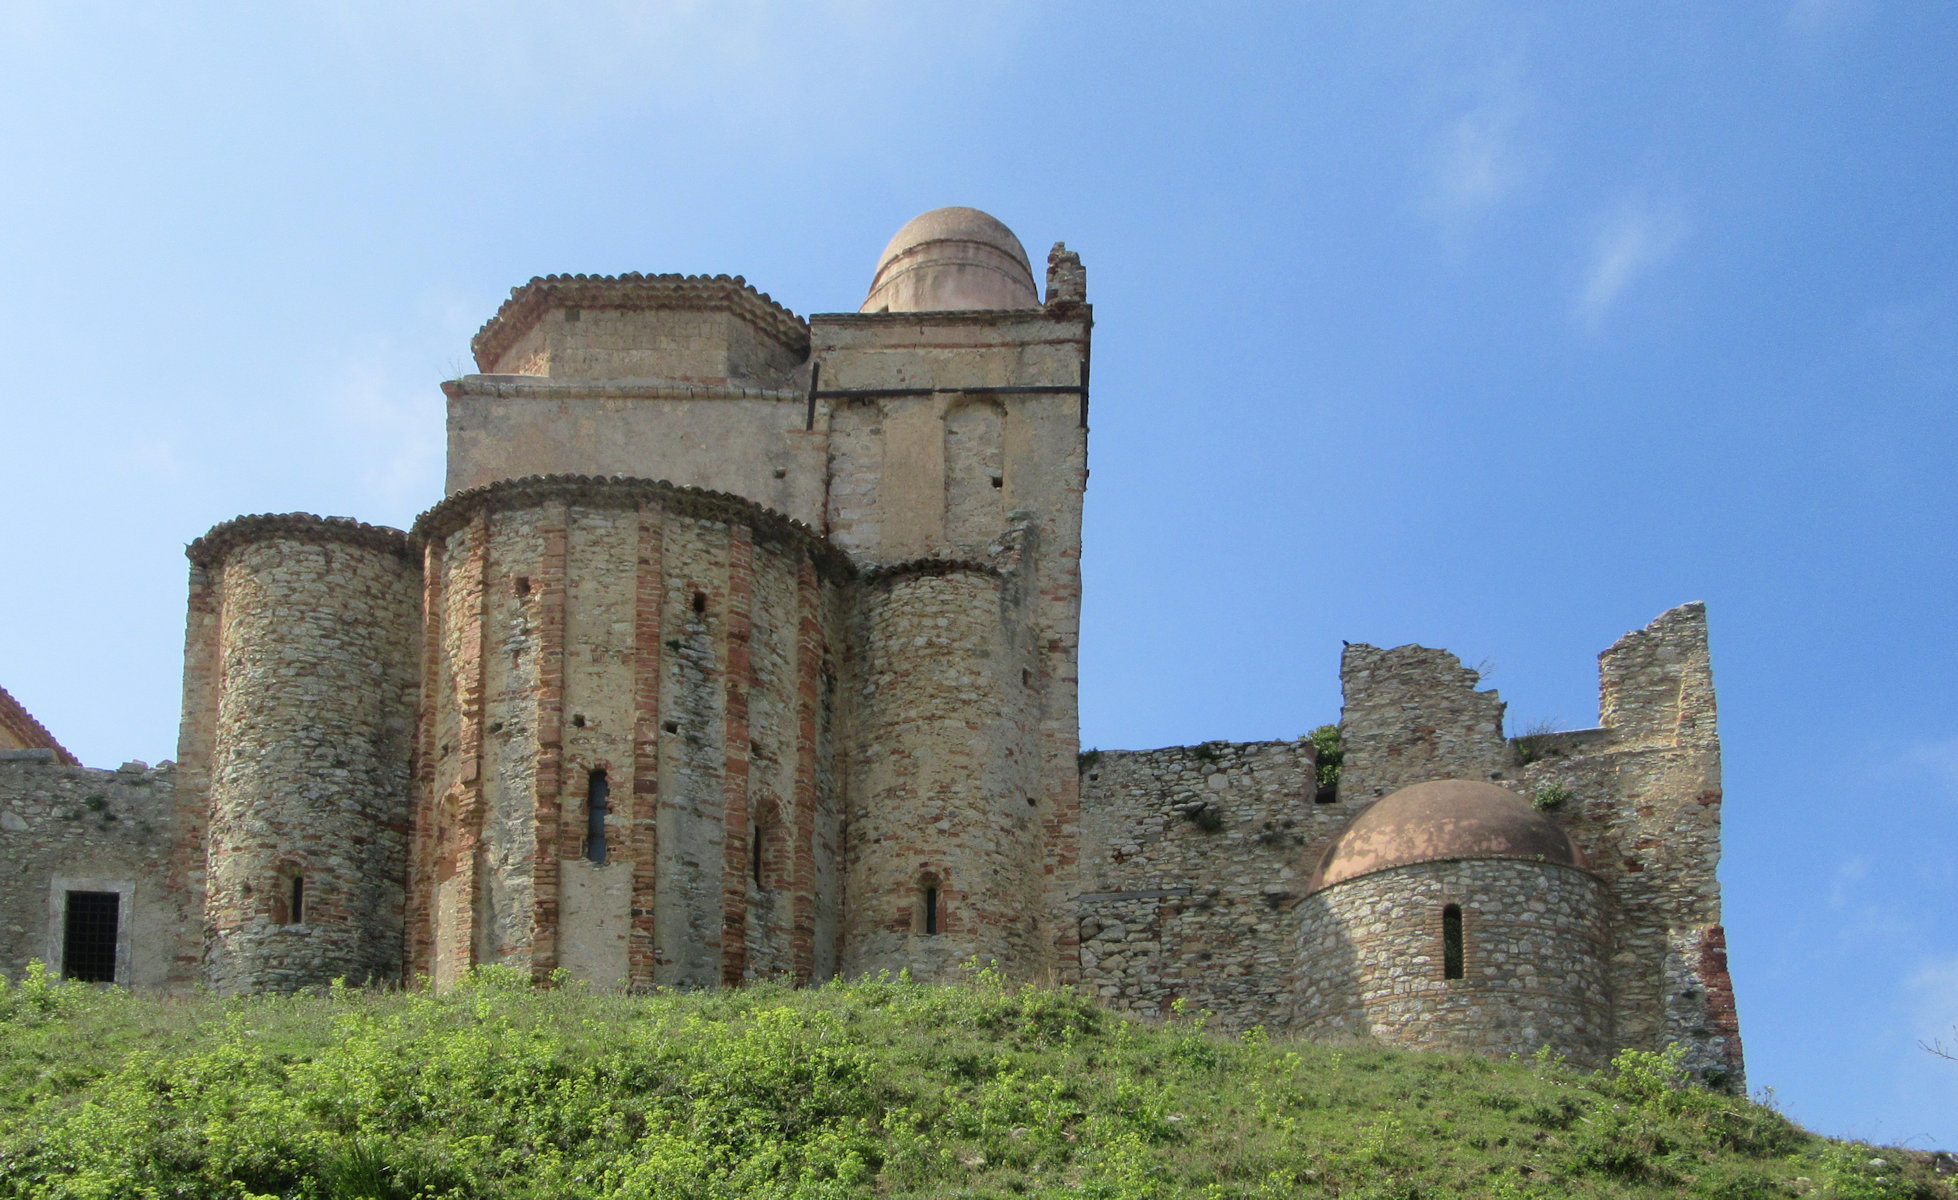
(743, 646)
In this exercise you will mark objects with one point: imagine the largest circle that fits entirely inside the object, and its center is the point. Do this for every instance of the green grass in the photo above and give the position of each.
(875, 1088)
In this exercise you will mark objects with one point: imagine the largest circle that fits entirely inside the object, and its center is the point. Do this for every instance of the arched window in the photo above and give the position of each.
(597, 791)
(296, 901)
(929, 915)
(1451, 942)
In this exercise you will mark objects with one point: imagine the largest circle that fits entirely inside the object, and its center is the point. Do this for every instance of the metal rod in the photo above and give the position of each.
(1064, 389)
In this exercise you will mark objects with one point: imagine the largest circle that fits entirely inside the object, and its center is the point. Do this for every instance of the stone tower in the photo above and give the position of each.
(750, 644)
(299, 708)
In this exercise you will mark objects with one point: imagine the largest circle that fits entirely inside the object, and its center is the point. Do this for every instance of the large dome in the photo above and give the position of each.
(1442, 819)
(950, 259)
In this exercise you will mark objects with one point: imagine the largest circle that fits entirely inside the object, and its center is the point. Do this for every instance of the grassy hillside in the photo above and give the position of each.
(867, 1089)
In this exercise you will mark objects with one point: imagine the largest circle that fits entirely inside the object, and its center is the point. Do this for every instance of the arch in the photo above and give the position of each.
(928, 909)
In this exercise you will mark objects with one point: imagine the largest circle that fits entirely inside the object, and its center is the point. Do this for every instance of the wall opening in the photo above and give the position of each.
(754, 854)
(88, 944)
(700, 602)
(931, 908)
(597, 795)
(1451, 942)
(289, 907)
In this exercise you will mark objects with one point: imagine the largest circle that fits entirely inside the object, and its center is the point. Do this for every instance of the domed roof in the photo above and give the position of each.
(950, 259)
(1442, 819)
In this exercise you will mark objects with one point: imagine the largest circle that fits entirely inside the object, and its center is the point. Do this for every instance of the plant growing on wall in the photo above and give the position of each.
(1327, 756)
(1550, 797)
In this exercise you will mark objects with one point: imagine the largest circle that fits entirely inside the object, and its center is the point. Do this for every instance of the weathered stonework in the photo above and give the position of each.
(1192, 868)
(66, 828)
(745, 647)
(309, 754)
(1536, 936)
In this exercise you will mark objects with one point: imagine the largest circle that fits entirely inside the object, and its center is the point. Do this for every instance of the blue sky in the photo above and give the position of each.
(1492, 327)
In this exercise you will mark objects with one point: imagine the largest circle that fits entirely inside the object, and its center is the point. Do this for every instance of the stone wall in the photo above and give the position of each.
(1192, 862)
(1639, 796)
(1535, 938)
(679, 646)
(945, 842)
(947, 431)
(1413, 714)
(65, 828)
(309, 751)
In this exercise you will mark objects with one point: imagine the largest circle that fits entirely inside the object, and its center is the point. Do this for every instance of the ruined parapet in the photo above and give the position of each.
(1067, 279)
(300, 699)
(624, 749)
(946, 842)
(1190, 873)
(1641, 795)
(1413, 714)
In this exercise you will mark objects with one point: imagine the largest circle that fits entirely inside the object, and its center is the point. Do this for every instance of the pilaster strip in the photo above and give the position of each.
(548, 796)
(420, 948)
(734, 795)
(648, 604)
(471, 688)
(802, 822)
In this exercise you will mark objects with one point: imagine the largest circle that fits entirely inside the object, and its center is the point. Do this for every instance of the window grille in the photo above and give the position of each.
(89, 939)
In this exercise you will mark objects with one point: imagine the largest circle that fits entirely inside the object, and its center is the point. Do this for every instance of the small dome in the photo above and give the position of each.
(1442, 819)
(950, 259)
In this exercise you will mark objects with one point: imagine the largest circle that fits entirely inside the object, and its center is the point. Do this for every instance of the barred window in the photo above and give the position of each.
(89, 939)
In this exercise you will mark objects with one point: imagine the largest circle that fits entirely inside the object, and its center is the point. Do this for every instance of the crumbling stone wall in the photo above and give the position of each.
(1411, 715)
(309, 753)
(64, 826)
(1191, 868)
(1639, 796)
(1536, 940)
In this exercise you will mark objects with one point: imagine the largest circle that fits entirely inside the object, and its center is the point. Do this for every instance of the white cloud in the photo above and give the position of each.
(1480, 163)
(1631, 243)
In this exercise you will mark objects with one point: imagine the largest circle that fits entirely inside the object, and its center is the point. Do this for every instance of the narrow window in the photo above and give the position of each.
(1451, 942)
(754, 854)
(596, 792)
(296, 904)
(700, 602)
(88, 951)
(931, 908)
